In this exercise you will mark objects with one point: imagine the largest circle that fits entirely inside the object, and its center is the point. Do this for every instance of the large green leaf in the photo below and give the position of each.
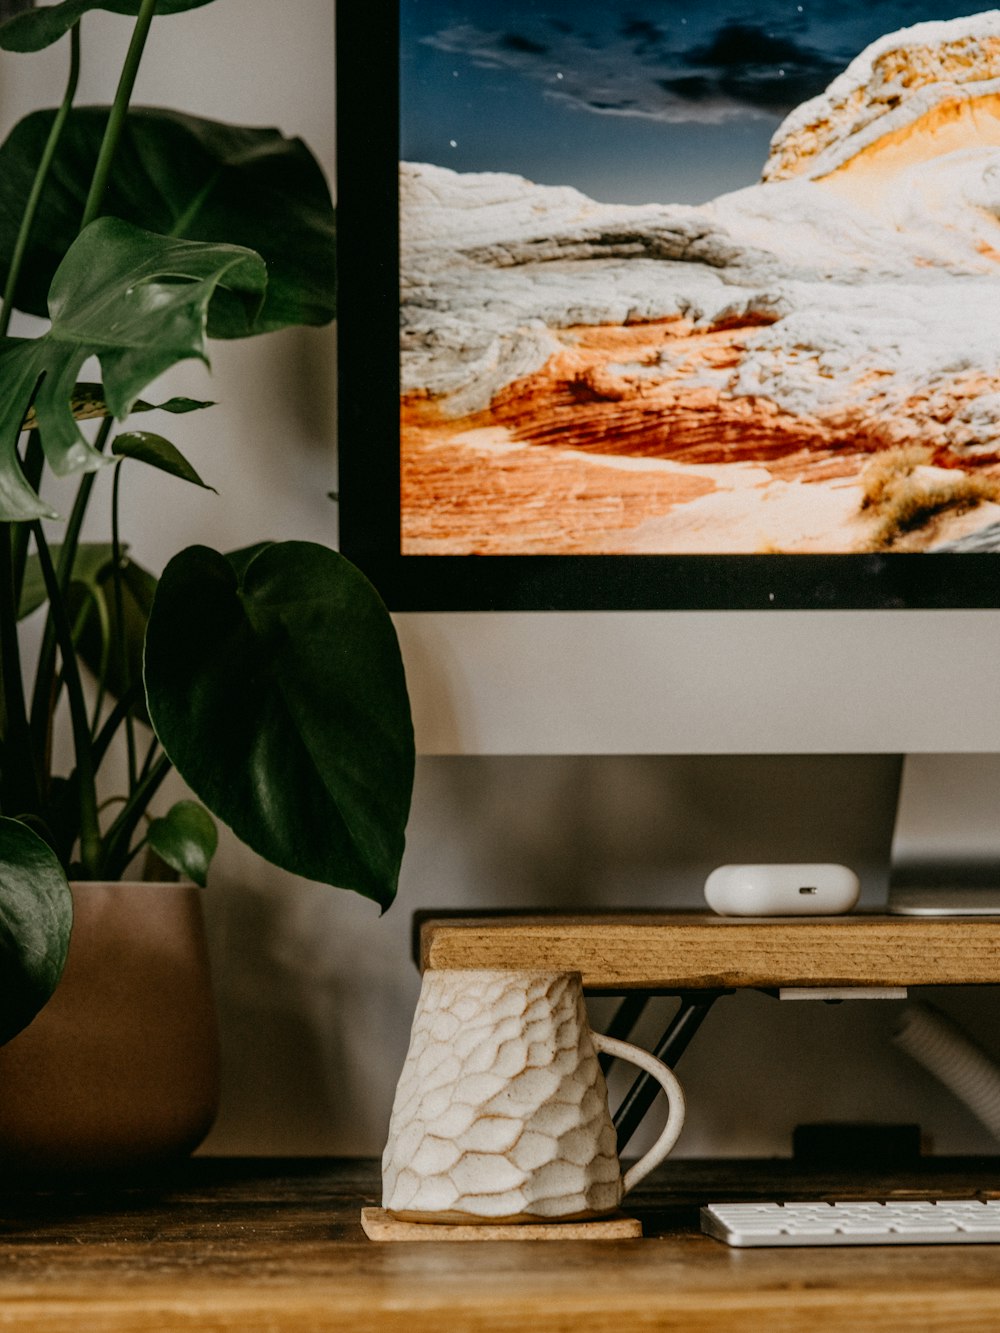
(42, 27)
(138, 302)
(178, 175)
(36, 918)
(279, 695)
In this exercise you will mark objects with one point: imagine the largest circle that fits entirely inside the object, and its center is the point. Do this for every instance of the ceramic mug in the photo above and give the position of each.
(501, 1111)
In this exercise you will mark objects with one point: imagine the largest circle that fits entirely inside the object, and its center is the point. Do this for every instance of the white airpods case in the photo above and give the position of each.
(793, 889)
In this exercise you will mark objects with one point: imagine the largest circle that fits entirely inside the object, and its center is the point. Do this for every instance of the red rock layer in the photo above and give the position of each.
(647, 390)
(460, 499)
(644, 391)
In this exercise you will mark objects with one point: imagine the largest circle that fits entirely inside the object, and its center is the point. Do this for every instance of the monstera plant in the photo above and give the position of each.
(270, 677)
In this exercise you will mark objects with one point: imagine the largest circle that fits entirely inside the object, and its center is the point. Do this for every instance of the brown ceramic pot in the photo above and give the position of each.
(121, 1068)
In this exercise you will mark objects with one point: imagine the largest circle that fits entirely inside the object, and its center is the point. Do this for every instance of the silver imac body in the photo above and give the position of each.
(669, 347)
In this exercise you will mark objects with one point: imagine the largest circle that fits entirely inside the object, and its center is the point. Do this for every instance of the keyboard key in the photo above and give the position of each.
(922, 1228)
(858, 1235)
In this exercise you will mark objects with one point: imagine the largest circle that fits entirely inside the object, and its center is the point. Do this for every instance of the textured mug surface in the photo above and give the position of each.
(501, 1110)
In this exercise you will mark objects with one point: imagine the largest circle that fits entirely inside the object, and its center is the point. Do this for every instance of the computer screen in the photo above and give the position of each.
(684, 308)
(684, 291)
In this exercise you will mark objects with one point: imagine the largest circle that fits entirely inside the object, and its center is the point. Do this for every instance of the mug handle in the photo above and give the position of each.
(667, 1079)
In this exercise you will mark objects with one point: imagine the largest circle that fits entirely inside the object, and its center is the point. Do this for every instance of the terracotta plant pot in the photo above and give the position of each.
(121, 1067)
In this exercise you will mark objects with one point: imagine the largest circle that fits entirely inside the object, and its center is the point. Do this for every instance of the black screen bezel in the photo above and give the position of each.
(368, 426)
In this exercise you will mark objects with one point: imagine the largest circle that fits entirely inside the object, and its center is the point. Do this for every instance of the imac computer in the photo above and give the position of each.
(669, 340)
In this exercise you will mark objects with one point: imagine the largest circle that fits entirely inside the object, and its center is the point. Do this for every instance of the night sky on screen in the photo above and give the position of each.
(638, 102)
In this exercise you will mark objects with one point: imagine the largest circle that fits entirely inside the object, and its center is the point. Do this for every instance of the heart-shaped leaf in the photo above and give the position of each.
(36, 918)
(158, 453)
(241, 558)
(182, 176)
(41, 27)
(186, 838)
(137, 301)
(279, 695)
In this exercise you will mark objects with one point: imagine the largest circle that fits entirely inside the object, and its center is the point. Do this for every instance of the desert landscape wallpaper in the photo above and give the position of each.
(699, 278)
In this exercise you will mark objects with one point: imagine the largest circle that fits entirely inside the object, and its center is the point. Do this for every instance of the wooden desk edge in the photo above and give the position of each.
(691, 951)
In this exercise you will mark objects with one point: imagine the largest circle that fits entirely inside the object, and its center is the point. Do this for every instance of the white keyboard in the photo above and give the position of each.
(903, 1222)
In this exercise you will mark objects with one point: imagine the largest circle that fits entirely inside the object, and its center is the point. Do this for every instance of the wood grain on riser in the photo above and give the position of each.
(701, 950)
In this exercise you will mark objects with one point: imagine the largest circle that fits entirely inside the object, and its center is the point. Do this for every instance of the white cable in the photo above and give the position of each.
(944, 1050)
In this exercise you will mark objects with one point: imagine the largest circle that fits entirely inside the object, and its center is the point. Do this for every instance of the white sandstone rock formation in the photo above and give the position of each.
(891, 87)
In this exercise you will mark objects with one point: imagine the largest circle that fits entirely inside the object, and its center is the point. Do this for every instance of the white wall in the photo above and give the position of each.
(316, 991)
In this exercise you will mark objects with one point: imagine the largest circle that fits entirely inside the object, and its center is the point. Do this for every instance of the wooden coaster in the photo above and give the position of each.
(378, 1225)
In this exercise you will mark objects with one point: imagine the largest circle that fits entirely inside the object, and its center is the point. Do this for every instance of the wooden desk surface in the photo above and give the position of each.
(249, 1247)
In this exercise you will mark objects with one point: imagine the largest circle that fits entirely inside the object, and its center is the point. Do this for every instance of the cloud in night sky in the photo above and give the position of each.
(746, 64)
(641, 67)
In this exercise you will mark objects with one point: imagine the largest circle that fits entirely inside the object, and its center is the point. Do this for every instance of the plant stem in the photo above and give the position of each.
(19, 785)
(79, 511)
(116, 577)
(96, 606)
(117, 856)
(90, 831)
(113, 721)
(46, 691)
(134, 851)
(38, 184)
(154, 745)
(34, 462)
(119, 110)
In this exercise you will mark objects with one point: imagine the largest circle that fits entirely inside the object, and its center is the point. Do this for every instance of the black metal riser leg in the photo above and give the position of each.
(672, 1045)
(623, 1021)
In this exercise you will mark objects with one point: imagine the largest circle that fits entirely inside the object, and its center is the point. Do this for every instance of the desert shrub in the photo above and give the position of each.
(904, 500)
